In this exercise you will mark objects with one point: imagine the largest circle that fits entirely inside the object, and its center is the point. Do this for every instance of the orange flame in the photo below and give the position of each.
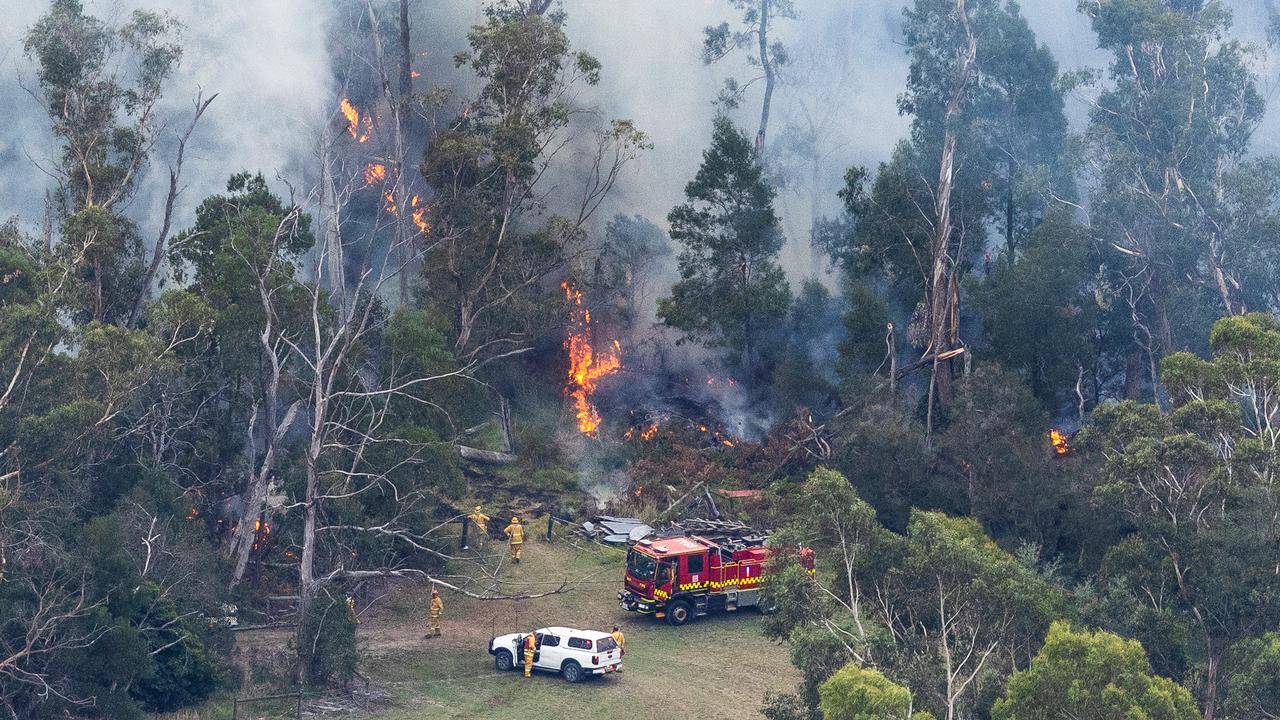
(359, 128)
(419, 215)
(390, 203)
(649, 432)
(585, 365)
(261, 533)
(374, 172)
(1059, 441)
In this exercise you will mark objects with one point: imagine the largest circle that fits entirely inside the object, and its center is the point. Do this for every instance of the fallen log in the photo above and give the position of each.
(491, 457)
(928, 359)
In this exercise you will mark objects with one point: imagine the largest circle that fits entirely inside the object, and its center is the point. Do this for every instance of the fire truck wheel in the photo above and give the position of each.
(503, 661)
(572, 671)
(679, 613)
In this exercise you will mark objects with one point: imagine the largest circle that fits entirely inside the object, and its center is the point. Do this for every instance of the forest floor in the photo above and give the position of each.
(717, 667)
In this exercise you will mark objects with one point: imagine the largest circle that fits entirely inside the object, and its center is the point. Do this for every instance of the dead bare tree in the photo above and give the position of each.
(162, 237)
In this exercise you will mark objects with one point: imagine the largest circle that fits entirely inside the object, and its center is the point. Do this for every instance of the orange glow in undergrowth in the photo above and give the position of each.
(1060, 444)
(586, 366)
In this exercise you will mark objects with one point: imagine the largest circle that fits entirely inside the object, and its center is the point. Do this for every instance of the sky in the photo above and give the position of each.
(270, 63)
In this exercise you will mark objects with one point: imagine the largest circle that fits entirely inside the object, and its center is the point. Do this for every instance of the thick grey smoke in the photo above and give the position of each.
(267, 60)
(272, 64)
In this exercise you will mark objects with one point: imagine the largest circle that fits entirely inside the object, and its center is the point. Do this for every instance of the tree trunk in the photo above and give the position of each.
(331, 270)
(770, 76)
(1214, 662)
(940, 245)
(402, 120)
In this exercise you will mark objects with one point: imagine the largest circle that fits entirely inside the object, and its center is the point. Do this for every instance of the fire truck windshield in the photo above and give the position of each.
(640, 566)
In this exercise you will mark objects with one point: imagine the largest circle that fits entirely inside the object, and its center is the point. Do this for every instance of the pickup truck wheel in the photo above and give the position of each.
(679, 613)
(503, 661)
(572, 671)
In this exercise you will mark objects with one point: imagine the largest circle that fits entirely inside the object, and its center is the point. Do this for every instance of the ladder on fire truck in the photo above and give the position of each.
(727, 534)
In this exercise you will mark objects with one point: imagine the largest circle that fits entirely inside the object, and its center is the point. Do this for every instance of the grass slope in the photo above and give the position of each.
(716, 667)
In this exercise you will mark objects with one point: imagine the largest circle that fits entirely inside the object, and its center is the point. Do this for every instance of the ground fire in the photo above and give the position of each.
(1059, 441)
(586, 365)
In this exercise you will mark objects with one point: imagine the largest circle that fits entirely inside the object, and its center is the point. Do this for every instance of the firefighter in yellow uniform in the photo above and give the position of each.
(435, 612)
(530, 647)
(515, 533)
(621, 639)
(481, 521)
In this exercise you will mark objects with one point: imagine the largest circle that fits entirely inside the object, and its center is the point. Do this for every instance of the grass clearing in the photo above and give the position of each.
(715, 668)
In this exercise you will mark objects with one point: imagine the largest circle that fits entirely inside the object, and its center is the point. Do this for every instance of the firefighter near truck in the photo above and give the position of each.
(695, 568)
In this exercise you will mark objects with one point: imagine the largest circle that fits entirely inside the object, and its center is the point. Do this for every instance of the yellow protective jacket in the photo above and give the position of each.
(619, 638)
(437, 606)
(480, 520)
(515, 531)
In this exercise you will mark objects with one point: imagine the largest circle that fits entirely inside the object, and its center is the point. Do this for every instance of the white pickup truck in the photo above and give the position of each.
(575, 654)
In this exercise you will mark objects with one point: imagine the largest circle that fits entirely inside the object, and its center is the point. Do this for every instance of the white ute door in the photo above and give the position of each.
(551, 653)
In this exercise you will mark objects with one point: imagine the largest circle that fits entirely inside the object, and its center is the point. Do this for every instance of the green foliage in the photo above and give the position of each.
(326, 643)
(1254, 683)
(864, 348)
(1169, 137)
(1094, 675)
(1036, 313)
(858, 693)
(731, 294)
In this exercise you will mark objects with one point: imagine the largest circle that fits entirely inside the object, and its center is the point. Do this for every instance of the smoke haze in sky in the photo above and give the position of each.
(270, 61)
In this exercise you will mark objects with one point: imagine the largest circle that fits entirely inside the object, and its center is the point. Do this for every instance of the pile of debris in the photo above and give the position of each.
(617, 530)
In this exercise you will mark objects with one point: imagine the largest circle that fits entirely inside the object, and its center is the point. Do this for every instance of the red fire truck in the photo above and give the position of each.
(693, 568)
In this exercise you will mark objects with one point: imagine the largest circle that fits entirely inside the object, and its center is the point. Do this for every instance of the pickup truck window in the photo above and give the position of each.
(548, 641)
(579, 643)
(605, 644)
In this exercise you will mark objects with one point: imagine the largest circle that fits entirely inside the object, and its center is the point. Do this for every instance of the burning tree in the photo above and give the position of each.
(586, 364)
(487, 168)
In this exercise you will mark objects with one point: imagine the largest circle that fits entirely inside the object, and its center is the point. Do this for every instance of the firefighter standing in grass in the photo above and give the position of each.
(481, 521)
(621, 639)
(515, 532)
(530, 647)
(436, 610)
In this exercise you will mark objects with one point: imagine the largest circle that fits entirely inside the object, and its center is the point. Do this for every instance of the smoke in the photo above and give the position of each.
(268, 61)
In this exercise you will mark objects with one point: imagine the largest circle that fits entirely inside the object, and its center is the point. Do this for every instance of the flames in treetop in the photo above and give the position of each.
(374, 172)
(360, 128)
(418, 210)
(586, 366)
(1059, 441)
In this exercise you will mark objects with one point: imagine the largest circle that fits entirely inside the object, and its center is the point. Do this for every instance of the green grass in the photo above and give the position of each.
(716, 667)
